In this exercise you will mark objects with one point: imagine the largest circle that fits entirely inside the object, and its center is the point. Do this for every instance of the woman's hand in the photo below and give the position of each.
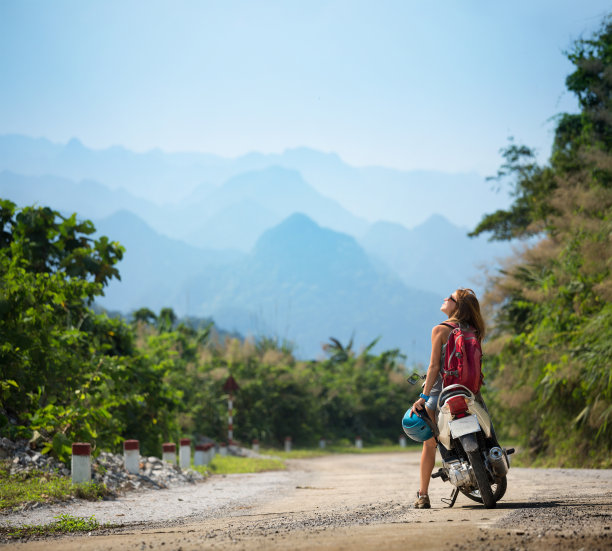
(418, 405)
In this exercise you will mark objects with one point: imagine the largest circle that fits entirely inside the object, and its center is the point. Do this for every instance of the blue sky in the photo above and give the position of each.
(406, 84)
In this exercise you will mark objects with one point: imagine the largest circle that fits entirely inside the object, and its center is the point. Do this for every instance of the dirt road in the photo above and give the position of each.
(348, 502)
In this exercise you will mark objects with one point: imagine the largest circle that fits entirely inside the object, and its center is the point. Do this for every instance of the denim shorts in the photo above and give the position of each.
(432, 403)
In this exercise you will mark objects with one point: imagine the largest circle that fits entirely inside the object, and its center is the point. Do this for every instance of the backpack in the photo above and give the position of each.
(462, 358)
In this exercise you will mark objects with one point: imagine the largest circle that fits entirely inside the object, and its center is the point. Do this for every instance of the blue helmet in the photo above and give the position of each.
(416, 427)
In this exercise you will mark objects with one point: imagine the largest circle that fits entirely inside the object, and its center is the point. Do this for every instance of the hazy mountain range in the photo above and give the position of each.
(371, 193)
(279, 245)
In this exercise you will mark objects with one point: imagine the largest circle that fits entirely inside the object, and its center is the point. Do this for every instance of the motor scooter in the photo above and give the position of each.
(472, 459)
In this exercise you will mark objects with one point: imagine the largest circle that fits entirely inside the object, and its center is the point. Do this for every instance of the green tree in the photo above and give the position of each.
(552, 304)
(144, 315)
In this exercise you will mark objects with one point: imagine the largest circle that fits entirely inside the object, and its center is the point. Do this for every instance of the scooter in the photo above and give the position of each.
(472, 460)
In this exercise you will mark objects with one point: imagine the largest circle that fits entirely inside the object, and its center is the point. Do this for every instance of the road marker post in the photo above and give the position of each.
(223, 449)
(131, 456)
(322, 443)
(199, 456)
(185, 453)
(81, 462)
(287, 443)
(255, 446)
(209, 453)
(358, 443)
(402, 441)
(169, 452)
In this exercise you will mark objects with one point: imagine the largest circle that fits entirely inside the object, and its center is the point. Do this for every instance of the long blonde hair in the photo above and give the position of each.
(467, 311)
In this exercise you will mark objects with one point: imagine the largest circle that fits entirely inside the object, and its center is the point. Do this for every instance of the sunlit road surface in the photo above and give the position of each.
(346, 502)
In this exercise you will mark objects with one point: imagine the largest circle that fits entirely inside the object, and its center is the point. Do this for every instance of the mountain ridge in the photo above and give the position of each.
(371, 193)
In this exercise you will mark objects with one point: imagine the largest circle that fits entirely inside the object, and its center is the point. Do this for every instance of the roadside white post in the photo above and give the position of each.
(209, 453)
(169, 452)
(322, 443)
(402, 441)
(131, 456)
(81, 462)
(185, 453)
(358, 443)
(287, 443)
(223, 449)
(199, 456)
(255, 445)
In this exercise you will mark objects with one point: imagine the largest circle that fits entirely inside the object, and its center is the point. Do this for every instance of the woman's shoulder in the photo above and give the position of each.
(442, 329)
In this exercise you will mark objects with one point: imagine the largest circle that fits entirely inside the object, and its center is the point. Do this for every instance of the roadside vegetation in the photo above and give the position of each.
(236, 465)
(550, 352)
(69, 374)
(41, 487)
(65, 524)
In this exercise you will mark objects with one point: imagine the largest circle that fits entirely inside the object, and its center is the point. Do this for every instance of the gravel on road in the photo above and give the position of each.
(349, 502)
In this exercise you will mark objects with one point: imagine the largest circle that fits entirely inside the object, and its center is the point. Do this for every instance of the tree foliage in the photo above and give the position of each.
(68, 374)
(552, 304)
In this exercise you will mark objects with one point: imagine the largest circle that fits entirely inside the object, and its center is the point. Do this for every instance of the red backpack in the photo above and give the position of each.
(462, 358)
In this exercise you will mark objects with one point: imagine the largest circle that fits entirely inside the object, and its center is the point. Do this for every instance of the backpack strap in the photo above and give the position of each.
(452, 326)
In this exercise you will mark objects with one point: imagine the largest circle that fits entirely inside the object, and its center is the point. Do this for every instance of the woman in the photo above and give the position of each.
(462, 308)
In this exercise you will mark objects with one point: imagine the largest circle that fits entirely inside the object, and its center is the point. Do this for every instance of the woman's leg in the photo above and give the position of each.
(428, 459)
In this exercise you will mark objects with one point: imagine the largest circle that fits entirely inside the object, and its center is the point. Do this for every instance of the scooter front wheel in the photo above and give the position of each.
(498, 487)
(482, 479)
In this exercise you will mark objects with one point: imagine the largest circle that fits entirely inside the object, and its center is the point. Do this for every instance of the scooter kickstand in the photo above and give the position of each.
(452, 499)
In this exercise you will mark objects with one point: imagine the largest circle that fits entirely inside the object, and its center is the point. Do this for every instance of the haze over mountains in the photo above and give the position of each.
(299, 246)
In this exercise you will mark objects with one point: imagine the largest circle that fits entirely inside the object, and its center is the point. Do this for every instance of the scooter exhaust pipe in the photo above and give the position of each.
(498, 462)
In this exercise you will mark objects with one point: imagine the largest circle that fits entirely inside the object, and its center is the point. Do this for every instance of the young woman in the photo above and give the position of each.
(461, 307)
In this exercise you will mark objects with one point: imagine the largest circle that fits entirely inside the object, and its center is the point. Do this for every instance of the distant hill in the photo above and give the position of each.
(408, 197)
(154, 266)
(306, 283)
(88, 198)
(153, 175)
(231, 216)
(255, 201)
(435, 256)
(236, 226)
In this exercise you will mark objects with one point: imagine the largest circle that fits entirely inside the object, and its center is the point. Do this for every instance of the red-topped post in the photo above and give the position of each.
(210, 453)
(199, 455)
(169, 452)
(185, 453)
(81, 462)
(131, 456)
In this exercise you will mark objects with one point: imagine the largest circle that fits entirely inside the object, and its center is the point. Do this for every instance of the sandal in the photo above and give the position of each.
(422, 501)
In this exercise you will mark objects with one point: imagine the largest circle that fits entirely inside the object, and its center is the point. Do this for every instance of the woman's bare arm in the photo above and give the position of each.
(439, 335)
